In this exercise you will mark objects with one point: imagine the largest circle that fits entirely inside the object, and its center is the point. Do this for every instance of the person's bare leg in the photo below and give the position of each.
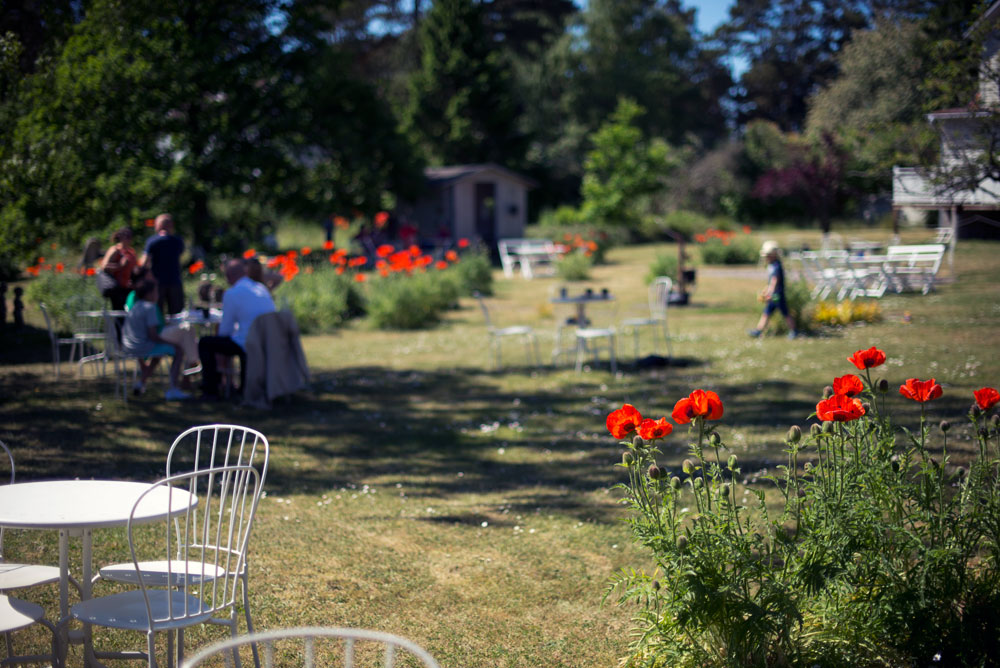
(176, 366)
(762, 323)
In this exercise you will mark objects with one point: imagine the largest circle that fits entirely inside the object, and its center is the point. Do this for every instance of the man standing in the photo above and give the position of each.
(163, 256)
(241, 304)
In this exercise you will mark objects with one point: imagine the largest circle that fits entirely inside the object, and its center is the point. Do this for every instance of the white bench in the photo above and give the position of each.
(532, 256)
(914, 267)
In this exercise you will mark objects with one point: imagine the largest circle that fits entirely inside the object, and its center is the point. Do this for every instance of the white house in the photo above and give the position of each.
(478, 202)
(968, 211)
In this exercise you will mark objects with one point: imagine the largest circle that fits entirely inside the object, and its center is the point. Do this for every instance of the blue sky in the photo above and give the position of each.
(710, 13)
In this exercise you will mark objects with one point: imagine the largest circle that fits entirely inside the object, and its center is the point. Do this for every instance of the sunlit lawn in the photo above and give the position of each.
(413, 490)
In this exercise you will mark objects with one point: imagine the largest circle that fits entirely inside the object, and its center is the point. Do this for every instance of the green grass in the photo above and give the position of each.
(416, 492)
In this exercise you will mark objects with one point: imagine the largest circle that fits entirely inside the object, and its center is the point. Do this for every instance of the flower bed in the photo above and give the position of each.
(880, 551)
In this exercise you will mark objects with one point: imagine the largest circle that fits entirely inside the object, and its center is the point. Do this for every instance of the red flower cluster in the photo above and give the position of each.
(195, 267)
(577, 242)
(623, 421)
(920, 390)
(700, 403)
(725, 236)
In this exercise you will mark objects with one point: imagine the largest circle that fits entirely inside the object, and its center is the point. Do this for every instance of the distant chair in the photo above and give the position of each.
(497, 334)
(591, 341)
(343, 642)
(15, 615)
(659, 296)
(57, 341)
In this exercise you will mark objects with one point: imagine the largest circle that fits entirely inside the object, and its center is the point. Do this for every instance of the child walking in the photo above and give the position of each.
(774, 294)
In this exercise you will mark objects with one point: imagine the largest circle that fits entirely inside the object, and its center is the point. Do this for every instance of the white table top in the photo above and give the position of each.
(85, 504)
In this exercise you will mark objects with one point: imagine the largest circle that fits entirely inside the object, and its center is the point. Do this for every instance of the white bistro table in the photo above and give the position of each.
(76, 508)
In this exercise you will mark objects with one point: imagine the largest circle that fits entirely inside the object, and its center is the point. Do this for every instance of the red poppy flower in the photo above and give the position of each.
(91, 271)
(623, 421)
(651, 429)
(381, 218)
(249, 253)
(385, 250)
(849, 385)
(463, 243)
(441, 264)
(60, 267)
(866, 359)
(341, 222)
(291, 255)
(451, 256)
(699, 403)
(327, 245)
(920, 390)
(306, 250)
(840, 408)
(986, 397)
(150, 222)
(340, 271)
(195, 267)
(357, 261)
(360, 278)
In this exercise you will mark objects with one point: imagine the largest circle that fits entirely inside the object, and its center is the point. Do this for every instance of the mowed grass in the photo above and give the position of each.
(415, 491)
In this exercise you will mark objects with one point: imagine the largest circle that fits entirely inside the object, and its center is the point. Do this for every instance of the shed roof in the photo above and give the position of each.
(453, 173)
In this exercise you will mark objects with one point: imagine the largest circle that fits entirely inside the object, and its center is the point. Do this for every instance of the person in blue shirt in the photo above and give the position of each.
(163, 257)
(773, 295)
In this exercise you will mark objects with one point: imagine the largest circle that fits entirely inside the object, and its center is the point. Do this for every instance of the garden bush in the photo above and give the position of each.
(320, 300)
(664, 264)
(880, 551)
(401, 301)
(735, 250)
(574, 267)
(475, 274)
(684, 223)
(63, 295)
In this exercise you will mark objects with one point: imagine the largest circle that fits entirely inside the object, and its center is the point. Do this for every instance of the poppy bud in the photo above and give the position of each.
(807, 467)
(801, 493)
(816, 429)
(895, 464)
(827, 392)
(794, 434)
(656, 585)
(637, 441)
(960, 472)
(944, 426)
(995, 421)
(627, 458)
(688, 466)
(698, 483)
(682, 543)
(675, 483)
(882, 385)
(975, 411)
(726, 487)
(935, 464)
(654, 471)
(733, 462)
(984, 432)
(866, 406)
(714, 438)
(828, 427)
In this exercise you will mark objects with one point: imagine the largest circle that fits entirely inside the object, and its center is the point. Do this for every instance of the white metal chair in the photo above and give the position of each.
(201, 563)
(57, 341)
(16, 614)
(88, 330)
(340, 642)
(198, 449)
(497, 334)
(591, 341)
(659, 296)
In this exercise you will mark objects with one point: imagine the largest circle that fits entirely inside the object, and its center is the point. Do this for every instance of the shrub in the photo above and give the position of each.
(664, 264)
(730, 250)
(878, 551)
(321, 301)
(63, 295)
(574, 266)
(400, 301)
(684, 223)
(475, 274)
(798, 296)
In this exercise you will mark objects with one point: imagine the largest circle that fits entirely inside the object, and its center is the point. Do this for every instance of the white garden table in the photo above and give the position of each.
(76, 508)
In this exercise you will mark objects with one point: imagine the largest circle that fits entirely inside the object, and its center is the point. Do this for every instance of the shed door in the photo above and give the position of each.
(486, 212)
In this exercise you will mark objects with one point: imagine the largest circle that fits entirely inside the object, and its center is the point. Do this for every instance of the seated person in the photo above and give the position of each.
(179, 334)
(140, 337)
(270, 279)
(241, 304)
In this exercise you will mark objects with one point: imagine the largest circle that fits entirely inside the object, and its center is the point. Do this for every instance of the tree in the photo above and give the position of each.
(622, 169)
(461, 107)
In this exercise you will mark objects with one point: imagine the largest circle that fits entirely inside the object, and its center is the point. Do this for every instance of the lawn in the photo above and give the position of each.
(415, 491)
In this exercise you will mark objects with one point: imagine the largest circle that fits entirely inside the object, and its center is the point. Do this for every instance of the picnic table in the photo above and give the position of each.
(846, 275)
(532, 256)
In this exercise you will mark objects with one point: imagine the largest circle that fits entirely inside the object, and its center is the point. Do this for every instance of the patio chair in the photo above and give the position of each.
(201, 564)
(57, 341)
(656, 319)
(196, 449)
(340, 642)
(16, 614)
(497, 334)
(591, 341)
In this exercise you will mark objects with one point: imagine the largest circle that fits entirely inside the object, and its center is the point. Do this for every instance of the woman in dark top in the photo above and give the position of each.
(774, 294)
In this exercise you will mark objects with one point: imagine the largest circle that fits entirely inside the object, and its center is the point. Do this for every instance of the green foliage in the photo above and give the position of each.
(474, 274)
(798, 296)
(404, 302)
(63, 295)
(622, 168)
(683, 222)
(321, 301)
(879, 552)
(574, 266)
(664, 264)
(739, 249)
(846, 312)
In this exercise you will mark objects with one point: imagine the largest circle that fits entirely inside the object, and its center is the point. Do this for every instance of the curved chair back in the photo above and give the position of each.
(204, 562)
(341, 641)
(659, 296)
(486, 311)
(213, 445)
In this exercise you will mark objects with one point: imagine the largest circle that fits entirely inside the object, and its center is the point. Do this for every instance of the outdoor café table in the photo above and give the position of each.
(580, 301)
(76, 508)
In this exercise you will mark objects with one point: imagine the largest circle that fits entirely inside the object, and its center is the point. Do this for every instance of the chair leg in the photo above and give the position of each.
(151, 649)
(666, 338)
(635, 341)
(246, 611)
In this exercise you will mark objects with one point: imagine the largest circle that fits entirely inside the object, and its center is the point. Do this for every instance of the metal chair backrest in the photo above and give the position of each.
(205, 560)
(214, 445)
(659, 296)
(48, 323)
(342, 642)
(486, 311)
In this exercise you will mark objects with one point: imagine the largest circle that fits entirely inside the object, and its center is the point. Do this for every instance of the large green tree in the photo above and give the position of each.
(462, 108)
